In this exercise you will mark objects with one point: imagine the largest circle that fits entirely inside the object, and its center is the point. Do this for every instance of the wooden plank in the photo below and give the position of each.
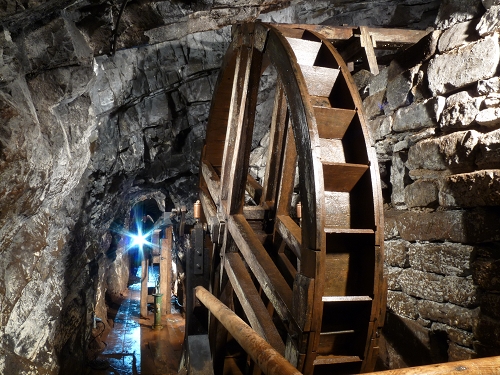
(288, 170)
(279, 122)
(345, 298)
(255, 310)
(335, 359)
(329, 32)
(240, 128)
(333, 122)
(212, 180)
(349, 231)
(286, 266)
(290, 232)
(166, 271)
(305, 50)
(337, 210)
(366, 43)
(144, 285)
(209, 208)
(384, 38)
(303, 299)
(387, 37)
(319, 80)
(262, 266)
(254, 212)
(336, 274)
(342, 177)
(254, 189)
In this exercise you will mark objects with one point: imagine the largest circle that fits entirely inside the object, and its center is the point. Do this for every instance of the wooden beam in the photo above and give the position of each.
(290, 232)
(272, 282)
(254, 189)
(478, 366)
(255, 310)
(212, 180)
(383, 37)
(367, 44)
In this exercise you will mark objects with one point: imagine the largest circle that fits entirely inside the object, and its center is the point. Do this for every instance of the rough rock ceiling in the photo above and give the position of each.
(111, 25)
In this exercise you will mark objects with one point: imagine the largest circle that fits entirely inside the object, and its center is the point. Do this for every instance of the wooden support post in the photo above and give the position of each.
(144, 285)
(367, 44)
(166, 270)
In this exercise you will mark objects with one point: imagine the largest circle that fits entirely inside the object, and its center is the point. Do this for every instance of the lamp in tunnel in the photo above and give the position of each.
(140, 240)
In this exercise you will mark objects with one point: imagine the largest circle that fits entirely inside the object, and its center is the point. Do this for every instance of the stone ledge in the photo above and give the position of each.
(481, 188)
(480, 225)
(448, 313)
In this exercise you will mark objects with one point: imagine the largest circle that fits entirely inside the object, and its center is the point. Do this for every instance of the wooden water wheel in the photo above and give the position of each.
(311, 286)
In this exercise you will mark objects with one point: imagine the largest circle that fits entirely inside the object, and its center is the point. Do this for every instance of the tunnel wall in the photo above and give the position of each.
(434, 118)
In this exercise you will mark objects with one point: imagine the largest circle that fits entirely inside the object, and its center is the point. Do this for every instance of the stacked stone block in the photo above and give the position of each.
(434, 114)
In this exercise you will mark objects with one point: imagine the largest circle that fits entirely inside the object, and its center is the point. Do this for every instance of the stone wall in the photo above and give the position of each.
(435, 119)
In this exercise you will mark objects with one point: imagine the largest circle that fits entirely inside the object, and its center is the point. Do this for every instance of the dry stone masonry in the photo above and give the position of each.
(436, 126)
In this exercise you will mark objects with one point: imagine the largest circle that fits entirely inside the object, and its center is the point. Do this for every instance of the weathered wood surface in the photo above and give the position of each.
(478, 366)
(332, 255)
(252, 304)
(269, 360)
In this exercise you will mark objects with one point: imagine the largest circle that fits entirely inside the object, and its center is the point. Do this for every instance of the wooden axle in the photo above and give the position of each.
(268, 359)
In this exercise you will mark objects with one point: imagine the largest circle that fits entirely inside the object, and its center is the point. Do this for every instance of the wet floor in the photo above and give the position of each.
(132, 347)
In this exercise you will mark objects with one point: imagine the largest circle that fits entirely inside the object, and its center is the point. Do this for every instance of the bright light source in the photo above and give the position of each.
(138, 239)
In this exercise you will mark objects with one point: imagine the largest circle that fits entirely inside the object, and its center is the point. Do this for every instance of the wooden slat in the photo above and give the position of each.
(319, 80)
(305, 50)
(262, 266)
(342, 177)
(333, 122)
(240, 128)
(290, 232)
(212, 180)
(209, 208)
(252, 304)
(254, 189)
(367, 44)
(345, 298)
(334, 359)
(329, 32)
(286, 183)
(386, 37)
(336, 274)
(279, 122)
(349, 231)
(290, 269)
(254, 212)
(337, 210)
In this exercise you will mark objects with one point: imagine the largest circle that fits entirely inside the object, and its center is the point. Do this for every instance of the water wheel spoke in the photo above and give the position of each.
(312, 284)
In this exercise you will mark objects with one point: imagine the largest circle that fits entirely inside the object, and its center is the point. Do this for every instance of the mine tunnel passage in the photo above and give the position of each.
(135, 337)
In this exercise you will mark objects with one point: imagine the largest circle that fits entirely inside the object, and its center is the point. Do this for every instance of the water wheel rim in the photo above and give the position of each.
(252, 44)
